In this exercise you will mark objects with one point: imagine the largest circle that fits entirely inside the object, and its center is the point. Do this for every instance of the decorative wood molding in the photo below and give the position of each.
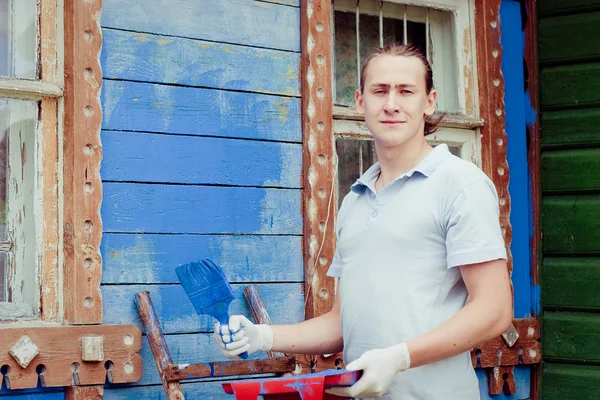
(491, 108)
(82, 157)
(318, 163)
(59, 360)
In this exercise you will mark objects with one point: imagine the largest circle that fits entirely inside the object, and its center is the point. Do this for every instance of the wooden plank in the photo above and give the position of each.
(234, 21)
(564, 381)
(82, 270)
(571, 224)
(567, 38)
(571, 127)
(232, 369)
(166, 59)
(60, 356)
(84, 393)
(50, 297)
(147, 208)
(259, 312)
(571, 282)
(176, 314)
(562, 7)
(144, 157)
(295, 3)
(570, 86)
(571, 336)
(34, 395)
(570, 170)
(152, 258)
(205, 112)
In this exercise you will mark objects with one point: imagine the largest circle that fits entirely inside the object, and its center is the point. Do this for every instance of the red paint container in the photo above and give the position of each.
(297, 387)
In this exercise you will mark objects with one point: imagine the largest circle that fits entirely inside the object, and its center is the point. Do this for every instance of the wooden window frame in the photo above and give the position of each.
(70, 117)
(317, 127)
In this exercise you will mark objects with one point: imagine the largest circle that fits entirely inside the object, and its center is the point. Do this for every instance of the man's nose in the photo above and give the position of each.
(391, 103)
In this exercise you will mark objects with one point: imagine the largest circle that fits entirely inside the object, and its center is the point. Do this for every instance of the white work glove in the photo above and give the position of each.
(242, 335)
(379, 367)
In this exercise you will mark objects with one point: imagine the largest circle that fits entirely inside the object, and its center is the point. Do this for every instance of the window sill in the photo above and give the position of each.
(449, 121)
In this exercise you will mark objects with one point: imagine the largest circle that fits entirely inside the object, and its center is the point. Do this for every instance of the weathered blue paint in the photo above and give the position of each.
(513, 46)
(519, 185)
(233, 21)
(148, 208)
(145, 157)
(295, 3)
(522, 379)
(135, 106)
(285, 302)
(33, 394)
(151, 258)
(167, 59)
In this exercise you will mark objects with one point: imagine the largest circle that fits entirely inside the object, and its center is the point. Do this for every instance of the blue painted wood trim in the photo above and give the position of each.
(148, 258)
(145, 157)
(151, 208)
(285, 302)
(521, 216)
(135, 106)
(166, 59)
(233, 21)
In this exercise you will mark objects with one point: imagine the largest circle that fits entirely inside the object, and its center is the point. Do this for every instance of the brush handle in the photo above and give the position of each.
(224, 320)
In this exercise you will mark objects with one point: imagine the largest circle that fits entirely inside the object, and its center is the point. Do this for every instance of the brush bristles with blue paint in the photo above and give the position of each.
(208, 289)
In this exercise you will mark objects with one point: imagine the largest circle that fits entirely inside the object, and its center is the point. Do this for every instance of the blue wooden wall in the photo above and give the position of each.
(202, 158)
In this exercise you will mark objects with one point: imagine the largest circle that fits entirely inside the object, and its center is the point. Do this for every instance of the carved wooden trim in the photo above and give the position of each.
(318, 163)
(82, 156)
(491, 108)
(60, 361)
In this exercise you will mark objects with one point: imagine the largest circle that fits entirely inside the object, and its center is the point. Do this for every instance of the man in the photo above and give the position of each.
(418, 233)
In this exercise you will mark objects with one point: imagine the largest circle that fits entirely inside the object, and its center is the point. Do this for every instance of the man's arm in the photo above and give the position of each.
(320, 335)
(487, 315)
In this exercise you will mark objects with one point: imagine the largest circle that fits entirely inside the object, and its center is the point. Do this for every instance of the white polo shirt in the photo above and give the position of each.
(396, 256)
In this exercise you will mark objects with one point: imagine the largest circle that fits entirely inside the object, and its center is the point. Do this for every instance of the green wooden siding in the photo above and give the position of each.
(569, 54)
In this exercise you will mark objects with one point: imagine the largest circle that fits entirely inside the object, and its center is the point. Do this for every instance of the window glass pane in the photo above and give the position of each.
(18, 38)
(355, 156)
(3, 270)
(440, 49)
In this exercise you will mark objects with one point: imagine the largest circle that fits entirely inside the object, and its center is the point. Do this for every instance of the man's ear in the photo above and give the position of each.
(360, 106)
(430, 106)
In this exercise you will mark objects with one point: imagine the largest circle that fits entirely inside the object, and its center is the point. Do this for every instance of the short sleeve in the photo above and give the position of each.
(473, 233)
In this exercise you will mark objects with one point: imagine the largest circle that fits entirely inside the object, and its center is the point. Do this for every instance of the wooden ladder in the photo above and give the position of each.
(171, 374)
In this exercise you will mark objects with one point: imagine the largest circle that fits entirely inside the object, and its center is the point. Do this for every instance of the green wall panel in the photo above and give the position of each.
(571, 170)
(570, 282)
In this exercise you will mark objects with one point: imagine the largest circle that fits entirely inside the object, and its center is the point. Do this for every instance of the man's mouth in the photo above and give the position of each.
(393, 122)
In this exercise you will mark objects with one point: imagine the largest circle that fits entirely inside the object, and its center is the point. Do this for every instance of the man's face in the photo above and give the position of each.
(395, 101)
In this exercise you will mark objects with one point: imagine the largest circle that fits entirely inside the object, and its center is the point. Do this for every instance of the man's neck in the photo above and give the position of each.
(396, 161)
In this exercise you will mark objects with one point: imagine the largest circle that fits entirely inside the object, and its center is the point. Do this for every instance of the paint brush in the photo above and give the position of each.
(208, 289)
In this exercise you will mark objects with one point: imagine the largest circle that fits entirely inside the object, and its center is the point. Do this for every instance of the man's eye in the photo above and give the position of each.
(379, 92)
(406, 92)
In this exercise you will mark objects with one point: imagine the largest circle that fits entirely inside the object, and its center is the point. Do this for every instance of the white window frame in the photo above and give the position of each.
(26, 243)
(457, 129)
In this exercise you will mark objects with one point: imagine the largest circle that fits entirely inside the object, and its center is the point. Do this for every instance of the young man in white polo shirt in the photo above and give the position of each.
(417, 234)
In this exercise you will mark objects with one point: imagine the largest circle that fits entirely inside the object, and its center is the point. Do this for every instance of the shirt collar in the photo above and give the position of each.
(426, 167)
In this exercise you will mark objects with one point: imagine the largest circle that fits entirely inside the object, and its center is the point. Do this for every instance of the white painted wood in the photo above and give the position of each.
(24, 351)
(21, 191)
(92, 348)
(28, 90)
